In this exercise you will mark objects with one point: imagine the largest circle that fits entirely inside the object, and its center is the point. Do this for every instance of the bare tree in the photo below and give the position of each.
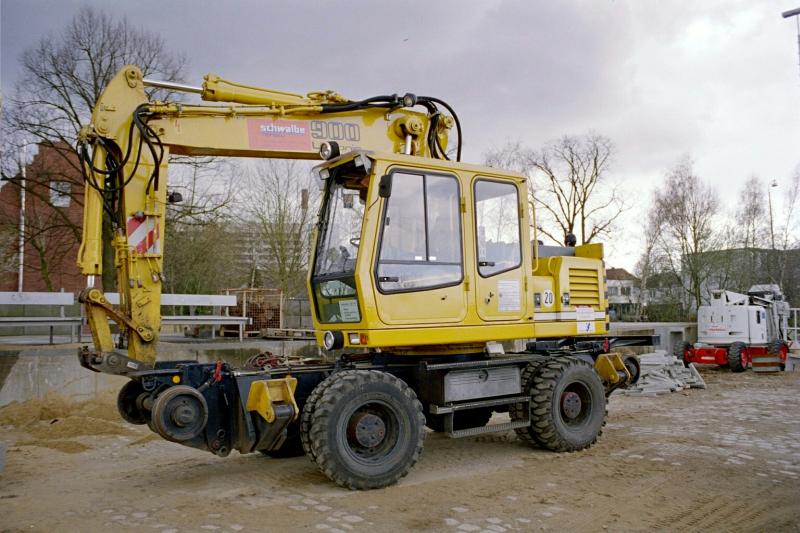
(279, 208)
(201, 253)
(568, 184)
(650, 263)
(570, 187)
(206, 187)
(788, 234)
(64, 75)
(751, 215)
(686, 210)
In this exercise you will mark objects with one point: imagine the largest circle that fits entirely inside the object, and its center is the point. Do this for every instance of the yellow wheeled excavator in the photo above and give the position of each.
(421, 267)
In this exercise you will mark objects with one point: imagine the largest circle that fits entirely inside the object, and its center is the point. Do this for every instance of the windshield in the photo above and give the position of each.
(340, 229)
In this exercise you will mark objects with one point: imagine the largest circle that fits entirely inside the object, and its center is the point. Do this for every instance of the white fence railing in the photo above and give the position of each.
(794, 324)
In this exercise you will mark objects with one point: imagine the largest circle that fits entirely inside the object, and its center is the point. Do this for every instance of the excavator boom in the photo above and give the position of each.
(126, 153)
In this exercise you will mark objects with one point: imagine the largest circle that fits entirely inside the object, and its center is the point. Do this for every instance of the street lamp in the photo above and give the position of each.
(769, 199)
(794, 13)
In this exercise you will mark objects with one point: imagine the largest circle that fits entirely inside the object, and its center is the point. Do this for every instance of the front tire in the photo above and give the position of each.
(366, 430)
(738, 358)
(568, 405)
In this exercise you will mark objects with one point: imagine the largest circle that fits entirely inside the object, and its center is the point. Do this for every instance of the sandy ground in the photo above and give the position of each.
(723, 459)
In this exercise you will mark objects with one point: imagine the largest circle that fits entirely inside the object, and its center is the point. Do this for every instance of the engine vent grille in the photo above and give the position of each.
(584, 287)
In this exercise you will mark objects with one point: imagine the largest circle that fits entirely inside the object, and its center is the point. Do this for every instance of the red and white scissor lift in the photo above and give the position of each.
(736, 328)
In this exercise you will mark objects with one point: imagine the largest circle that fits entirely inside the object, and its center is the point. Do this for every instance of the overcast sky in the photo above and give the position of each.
(718, 80)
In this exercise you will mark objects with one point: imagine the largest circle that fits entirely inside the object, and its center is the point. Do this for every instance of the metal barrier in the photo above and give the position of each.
(215, 301)
(59, 299)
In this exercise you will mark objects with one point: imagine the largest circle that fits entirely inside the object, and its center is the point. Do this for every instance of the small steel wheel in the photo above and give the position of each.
(180, 413)
(129, 403)
(634, 369)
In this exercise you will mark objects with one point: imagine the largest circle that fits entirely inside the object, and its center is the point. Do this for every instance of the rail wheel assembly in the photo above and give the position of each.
(568, 405)
(130, 403)
(180, 413)
(365, 429)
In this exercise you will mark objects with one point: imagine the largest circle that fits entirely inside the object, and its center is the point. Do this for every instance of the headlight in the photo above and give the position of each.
(329, 150)
(333, 340)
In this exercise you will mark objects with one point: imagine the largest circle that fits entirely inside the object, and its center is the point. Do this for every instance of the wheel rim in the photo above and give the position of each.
(744, 358)
(371, 432)
(575, 404)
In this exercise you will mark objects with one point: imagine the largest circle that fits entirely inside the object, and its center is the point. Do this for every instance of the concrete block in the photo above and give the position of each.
(3, 448)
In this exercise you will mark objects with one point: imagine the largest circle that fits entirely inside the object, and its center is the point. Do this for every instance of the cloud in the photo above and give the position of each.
(716, 79)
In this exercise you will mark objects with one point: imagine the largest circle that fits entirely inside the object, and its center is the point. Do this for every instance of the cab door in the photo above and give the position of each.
(419, 267)
(500, 279)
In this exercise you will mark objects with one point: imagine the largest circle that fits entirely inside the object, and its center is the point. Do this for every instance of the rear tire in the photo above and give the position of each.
(781, 349)
(682, 351)
(367, 429)
(568, 405)
(738, 357)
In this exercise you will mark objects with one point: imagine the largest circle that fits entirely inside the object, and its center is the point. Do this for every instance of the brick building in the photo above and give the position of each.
(53, 220)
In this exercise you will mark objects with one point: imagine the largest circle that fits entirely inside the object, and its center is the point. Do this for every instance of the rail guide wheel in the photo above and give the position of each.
(180, 413)
(130, 403)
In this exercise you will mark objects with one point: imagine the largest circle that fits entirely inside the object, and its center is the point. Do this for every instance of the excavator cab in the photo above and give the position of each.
(418, 253)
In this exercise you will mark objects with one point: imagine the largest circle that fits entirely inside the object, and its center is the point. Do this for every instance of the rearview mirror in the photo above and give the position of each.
(385, 186)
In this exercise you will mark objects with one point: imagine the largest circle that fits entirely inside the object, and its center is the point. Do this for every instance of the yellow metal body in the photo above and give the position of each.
(558, 296)
(468, 313)
(265, 393)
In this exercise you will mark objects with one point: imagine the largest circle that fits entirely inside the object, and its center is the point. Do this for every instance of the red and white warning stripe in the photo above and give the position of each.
(143, 235)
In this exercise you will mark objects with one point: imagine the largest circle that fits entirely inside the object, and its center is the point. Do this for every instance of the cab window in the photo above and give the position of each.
(497, 227)
(421, 234)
